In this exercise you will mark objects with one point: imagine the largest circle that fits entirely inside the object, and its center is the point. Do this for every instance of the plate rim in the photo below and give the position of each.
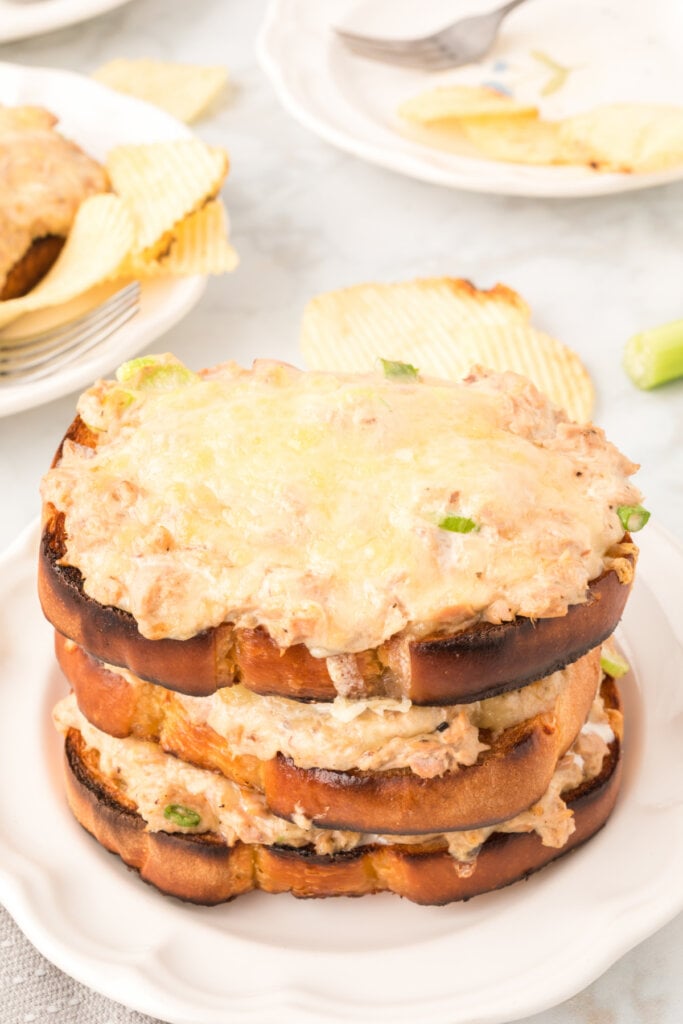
(412, 166)
(148, 995)
(52, 15)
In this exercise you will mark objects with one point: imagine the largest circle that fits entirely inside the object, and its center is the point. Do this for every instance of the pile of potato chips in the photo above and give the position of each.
(619, 137)
(163, 216)
(444, 327)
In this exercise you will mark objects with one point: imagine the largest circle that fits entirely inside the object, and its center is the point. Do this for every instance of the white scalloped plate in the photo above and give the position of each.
(276, 960)
(97, 119)
(617, 50)
(22, 18)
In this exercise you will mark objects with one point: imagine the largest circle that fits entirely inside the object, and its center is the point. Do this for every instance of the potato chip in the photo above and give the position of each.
(183, 90)
(101, 236)
(627, 136)
(199, 246)
(459, 102)
(519, 140)
(162, 183)
(443, 327)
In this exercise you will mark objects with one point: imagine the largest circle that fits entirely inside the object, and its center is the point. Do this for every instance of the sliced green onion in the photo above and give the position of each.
(612, 662)
(458, 524)
(656, 356)
(155, 373)
(181, 815)
(399, 371)
(633, 517)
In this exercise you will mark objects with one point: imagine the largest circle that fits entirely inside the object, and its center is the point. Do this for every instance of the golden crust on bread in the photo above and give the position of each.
(510, 775)
(203, 869)
(31, 267)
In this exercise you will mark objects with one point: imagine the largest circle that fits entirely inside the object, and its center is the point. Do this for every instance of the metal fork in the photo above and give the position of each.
(31, 358)
(460, 43)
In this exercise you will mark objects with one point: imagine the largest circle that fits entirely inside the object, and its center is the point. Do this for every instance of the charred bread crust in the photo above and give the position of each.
(32, 266)
(473, 664)
(202, 869)
(505, 780)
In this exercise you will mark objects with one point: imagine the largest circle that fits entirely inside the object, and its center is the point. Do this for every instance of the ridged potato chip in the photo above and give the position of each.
(475, 120)
(183, 90)
(162, 183)
(443, 327)
(199, 246)
(100, 238)
(627, 137)
(521, 140)
(459, 102)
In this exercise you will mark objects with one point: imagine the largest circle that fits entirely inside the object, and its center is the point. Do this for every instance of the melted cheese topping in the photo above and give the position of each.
(43, 180)
(310, 504)
(376, 734)
(153, 780)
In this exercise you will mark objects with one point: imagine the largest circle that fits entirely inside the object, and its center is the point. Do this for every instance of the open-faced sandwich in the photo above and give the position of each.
(335, 634)
(44, 178)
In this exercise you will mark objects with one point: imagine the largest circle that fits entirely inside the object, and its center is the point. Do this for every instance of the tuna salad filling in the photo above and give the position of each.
(333, 510)
(173, 796)
(375, 734)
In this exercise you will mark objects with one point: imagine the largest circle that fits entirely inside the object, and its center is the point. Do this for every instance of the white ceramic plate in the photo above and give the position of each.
(22, 18)
(618, 50)
(98, 119)
(271, 959)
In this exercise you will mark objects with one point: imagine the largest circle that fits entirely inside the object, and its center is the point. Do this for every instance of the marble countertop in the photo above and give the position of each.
(307, 218)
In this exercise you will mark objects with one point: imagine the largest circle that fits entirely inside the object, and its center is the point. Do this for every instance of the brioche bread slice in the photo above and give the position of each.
(43, 179)
(473, 664)
(507, 777)
(30, 268)
(201, 868)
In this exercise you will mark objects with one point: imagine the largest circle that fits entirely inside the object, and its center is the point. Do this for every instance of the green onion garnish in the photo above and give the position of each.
(458, 524)
(155, 373)
(656, 356)
(612, 662)
(397, 371)
(633, 517)
(181, 815)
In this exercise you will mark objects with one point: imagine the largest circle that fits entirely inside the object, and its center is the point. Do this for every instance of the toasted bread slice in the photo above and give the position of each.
(506, 778)
(201, 868)
(43, 179)
(32, 266)
(470, 665)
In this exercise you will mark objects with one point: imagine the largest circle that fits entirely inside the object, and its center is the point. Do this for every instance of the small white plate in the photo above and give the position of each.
(98, 119)
(618, 50)
(276, 960)
(22, 18)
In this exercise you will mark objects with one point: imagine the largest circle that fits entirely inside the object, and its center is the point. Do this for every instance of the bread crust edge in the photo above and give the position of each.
(202, 869)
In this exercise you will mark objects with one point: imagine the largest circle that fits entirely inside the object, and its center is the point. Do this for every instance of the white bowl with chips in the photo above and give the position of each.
(98, 119)
(618, 51)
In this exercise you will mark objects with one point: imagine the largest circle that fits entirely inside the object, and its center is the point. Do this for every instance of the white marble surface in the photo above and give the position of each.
(307, 218)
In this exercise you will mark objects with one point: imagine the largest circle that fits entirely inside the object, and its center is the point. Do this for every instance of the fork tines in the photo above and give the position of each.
(406, 52)
(40, 354)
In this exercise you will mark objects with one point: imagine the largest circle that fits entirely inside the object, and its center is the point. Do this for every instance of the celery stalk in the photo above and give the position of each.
(656, 356)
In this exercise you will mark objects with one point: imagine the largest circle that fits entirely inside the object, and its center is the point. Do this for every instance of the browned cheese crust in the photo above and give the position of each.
(202, 869)
(473, 664)
(505, 780)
